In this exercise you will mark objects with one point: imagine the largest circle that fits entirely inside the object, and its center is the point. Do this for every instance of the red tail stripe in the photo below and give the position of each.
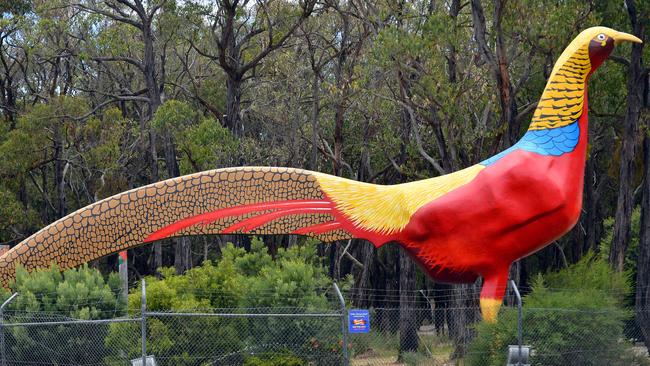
(209, 217)
(257, 221)
(318, 228)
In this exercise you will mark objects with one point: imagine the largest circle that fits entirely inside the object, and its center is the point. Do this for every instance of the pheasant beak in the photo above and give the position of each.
(624, 37)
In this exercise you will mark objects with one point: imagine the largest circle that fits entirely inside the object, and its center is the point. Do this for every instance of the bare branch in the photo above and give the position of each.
(109, 14)
(129, 60)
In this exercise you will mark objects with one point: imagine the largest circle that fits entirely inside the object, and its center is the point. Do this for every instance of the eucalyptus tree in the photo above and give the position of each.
(637, 97)
(243, 34)
(141, 17)
(11, 58)
(638, 107)
(148, 60)
(319, 36)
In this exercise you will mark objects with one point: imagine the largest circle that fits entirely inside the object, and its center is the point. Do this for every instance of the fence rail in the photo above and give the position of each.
(319, 337)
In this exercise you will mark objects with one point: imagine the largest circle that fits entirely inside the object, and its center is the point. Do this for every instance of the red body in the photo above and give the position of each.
(511, 209)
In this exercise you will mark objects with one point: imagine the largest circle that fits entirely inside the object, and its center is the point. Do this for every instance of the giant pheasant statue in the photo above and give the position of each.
(457, 227)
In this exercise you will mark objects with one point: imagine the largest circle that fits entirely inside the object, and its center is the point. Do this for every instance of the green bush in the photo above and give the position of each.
(574, 316)
(49, 295)
(241, 279)
(632, 245)
(285, 358)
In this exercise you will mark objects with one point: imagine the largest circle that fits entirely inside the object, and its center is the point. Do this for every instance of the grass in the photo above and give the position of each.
(382, 348)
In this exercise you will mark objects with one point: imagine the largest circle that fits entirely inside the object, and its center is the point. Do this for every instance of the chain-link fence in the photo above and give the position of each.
(196, 336)
(423, 329)
(442, 327)
(557, 337)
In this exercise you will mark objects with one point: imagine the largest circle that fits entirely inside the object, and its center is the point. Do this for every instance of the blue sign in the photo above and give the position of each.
(358, 321)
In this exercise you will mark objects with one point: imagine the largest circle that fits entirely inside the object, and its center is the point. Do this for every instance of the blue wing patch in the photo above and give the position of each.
(551, 141)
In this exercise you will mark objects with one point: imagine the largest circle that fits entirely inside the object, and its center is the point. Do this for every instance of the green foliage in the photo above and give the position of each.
(30, 147)
(213, 92)
(14, 217)
(103, 144)
(205, 145)
(633, 244)
(203, 142)
(275, 359)
(253, 279)
(579, 308)
(15, 7)
(173, 115)
(81, 293)
(105, 135)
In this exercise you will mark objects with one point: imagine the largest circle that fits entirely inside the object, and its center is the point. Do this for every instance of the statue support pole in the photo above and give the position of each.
(124, 273)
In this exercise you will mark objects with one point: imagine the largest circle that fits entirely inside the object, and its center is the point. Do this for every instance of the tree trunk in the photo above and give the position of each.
(642, 305)
(315, 89)
(638, 99)
(153, 93)
(464, 311)
(339, 120)
(22, 192)
(170, 156)
(230, 61)
(8, 96)
(342, 83)
(498, 62)
(408, 324)
(182, 259)
(507, 99)
(390, 309)
(45, 213)
(589, 203)
(622, 219)
(182, 255)
(11, 105)
(446, 159)
(454, 10)
(233, 105)
(150, 69)
(441, 300)
(155, 176)
(635, 83)
(206, 249)
(366, 255)
(59, 170)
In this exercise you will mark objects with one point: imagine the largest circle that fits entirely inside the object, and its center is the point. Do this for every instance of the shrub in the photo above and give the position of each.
(49, 295)
(574, 316)
(241, 279)
(283, 358)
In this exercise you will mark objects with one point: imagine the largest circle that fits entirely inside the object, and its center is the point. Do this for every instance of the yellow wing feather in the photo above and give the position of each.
(388, 209)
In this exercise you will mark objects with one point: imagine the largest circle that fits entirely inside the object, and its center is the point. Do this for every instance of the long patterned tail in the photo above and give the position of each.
(226, 201)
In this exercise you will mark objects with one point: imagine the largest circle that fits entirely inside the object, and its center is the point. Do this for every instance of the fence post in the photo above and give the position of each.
(344, 325)
(143, 325)
(520, 327)
(2, 328)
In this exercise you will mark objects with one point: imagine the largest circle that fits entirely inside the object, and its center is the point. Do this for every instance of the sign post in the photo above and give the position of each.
(359, 321)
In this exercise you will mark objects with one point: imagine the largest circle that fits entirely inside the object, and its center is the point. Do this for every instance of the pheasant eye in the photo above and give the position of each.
(601, 37)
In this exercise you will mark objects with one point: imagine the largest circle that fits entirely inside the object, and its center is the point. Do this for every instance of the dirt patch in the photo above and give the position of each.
(376, 361)
(371, 358)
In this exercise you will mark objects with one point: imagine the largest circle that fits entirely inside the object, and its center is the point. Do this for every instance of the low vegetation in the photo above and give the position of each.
(573, 316)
